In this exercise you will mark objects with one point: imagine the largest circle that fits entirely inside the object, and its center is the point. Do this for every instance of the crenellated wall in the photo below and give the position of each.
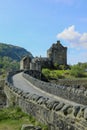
(56, 114)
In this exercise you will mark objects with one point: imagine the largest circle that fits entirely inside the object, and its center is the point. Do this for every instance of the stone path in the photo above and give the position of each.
(20, 82)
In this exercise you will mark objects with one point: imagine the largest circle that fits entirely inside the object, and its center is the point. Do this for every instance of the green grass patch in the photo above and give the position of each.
(56, 74)
(64, 74)
(14, 118)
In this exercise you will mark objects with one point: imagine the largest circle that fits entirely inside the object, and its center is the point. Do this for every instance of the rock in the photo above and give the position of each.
(65, 109)
(42, 100)
(76, 110)
(85, 114)
(59, 106)
(81, 112)
(30, 127)
(51, 104)
(85, 93)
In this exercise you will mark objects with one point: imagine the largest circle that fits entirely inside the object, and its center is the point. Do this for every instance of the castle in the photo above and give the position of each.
(56, 54)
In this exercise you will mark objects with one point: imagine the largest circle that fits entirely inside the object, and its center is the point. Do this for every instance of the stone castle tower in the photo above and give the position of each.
(57, 54)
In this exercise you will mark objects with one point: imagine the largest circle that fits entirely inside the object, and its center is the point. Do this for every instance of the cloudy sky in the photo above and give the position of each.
(36, 24)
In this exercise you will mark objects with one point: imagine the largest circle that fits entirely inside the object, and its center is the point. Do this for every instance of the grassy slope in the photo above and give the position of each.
(14, 118)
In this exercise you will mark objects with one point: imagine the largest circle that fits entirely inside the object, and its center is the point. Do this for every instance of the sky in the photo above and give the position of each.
(36, 24)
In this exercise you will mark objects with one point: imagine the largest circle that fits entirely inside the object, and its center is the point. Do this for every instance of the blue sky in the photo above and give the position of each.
(36, 24)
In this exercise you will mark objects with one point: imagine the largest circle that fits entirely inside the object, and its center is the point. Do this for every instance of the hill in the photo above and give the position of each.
(10, 56)
(13, 52)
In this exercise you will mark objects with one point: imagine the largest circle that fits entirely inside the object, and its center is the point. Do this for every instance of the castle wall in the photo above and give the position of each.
(58, 54)
(21, 65)
(25, 63)
(59, 57)
(35, 66)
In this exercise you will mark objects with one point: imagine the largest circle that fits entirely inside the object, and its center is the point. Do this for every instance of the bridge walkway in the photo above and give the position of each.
(20, 82)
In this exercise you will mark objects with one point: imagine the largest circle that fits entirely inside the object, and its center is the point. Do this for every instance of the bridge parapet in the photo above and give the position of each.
(56, 114)
(71, 93)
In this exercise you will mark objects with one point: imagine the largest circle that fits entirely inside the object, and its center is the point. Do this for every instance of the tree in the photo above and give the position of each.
(7, 64)
(77, 71)
(46, 72)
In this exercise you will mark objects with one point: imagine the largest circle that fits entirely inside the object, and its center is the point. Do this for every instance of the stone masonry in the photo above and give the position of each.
(56, 54)
(56, 114)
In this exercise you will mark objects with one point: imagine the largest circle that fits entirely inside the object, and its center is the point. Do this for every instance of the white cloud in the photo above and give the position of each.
(74, 37)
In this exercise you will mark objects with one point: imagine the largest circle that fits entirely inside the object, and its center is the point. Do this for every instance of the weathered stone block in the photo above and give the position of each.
(85, 113)
(30, 127)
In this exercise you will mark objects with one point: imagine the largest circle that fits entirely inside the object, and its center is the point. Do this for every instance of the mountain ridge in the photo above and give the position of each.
(14, 52)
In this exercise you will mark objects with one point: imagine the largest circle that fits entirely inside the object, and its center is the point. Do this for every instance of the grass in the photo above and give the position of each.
(49, 74)
(60, 74)
(14, 118)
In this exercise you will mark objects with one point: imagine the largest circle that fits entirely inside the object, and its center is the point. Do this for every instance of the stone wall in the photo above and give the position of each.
(34, 73)
(56, 114)
(72, 93)
(2, 94)
(76, 83)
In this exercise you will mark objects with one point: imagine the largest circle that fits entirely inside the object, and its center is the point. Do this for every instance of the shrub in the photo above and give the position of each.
(46, 72)
(77, 71)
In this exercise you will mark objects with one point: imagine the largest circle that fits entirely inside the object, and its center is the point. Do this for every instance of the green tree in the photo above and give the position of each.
(46, 72)
(7, 64)
(77, 71)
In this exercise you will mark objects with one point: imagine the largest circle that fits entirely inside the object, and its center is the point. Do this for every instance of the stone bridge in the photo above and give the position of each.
(60, 107)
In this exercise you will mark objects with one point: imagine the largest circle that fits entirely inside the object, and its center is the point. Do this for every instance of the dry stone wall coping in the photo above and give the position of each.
(79, 111)
(71, 93)
(30, 127)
